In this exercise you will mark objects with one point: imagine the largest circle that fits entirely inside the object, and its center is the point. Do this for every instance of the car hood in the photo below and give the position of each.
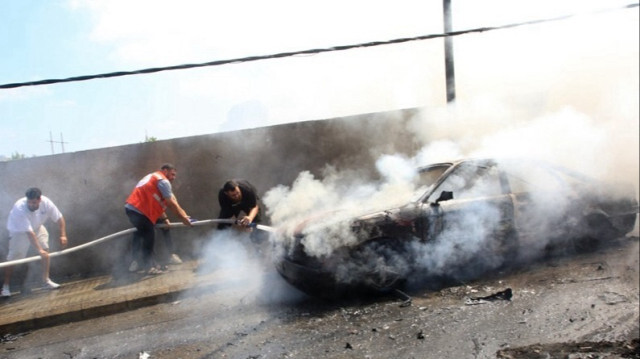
(323, 233)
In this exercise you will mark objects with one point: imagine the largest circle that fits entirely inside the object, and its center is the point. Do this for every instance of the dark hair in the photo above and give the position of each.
(230, 185)
(168, 166)
(33, 193)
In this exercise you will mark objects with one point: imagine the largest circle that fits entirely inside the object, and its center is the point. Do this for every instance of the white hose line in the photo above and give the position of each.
(216, 221)
(128, 231)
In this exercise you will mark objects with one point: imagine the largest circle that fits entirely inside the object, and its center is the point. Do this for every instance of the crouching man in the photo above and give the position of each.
(238, 197)
(26, 227)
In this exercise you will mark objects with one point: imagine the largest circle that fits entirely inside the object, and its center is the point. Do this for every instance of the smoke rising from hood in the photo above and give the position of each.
(324, 204)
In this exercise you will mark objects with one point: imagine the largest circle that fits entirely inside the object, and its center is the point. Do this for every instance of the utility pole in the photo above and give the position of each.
(51, 141)
(62, 142)
(448, 53)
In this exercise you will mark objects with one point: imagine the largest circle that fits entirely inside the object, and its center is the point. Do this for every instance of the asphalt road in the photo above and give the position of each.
(581, 304)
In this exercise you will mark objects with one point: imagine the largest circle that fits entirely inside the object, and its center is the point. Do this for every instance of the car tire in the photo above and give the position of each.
(599, 230)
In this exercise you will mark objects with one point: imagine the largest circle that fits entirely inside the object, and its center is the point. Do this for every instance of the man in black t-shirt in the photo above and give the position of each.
(238, 196)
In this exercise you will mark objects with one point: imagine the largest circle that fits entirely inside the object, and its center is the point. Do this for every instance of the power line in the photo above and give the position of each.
(302, 52)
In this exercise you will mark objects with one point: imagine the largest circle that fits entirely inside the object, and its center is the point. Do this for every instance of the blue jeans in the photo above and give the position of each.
(143, 238)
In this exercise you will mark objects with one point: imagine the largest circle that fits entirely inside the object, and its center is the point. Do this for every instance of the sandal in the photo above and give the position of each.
(155, 271)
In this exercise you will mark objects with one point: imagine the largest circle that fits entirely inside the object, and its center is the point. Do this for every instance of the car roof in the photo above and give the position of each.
(457, 162)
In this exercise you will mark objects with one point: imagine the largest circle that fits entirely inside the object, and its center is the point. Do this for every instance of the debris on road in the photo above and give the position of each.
(612, 298)
(506, 294)
(9, 338)
(406, 299)
(602, 349)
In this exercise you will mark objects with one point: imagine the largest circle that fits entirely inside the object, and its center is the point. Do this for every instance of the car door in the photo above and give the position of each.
(476, 212)
(544, 205)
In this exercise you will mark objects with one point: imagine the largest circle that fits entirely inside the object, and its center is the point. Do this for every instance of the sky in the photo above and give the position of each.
(587, 64)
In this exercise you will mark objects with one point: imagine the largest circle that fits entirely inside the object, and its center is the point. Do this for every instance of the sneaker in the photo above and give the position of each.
(133, 267)
(6, 292)
(49, 284)
(174, 259)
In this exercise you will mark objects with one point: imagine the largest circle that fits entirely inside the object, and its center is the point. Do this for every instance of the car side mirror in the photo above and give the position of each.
(444, 196)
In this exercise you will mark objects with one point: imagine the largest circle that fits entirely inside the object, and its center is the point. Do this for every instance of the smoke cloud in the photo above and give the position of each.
(602, 145)
(242, 269)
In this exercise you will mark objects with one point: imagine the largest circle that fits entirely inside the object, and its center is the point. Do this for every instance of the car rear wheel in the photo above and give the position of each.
(600, 227)
(599, 230)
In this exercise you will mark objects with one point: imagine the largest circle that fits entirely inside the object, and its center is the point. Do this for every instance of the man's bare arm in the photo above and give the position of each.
(63, 232)
(175, 207)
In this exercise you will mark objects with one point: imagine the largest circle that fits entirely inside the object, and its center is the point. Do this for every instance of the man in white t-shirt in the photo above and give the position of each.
(26, 227)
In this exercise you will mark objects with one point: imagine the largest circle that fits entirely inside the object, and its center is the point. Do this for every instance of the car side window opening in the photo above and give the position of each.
(427, 177)
(470, 181)
(532, 178)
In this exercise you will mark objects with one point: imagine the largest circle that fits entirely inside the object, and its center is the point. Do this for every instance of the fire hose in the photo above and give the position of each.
(207, 222)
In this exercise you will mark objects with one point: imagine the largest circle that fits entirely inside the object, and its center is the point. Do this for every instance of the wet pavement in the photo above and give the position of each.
(93, 297)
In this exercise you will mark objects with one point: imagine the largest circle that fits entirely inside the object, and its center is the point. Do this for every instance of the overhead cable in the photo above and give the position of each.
(302, 52)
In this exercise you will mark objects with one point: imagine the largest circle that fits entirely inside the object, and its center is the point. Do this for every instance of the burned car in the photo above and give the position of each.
(467, 217)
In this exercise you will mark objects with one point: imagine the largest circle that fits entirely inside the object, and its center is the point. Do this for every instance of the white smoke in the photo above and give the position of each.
(323, 205)
(242, 269)
(520, 94)
(602, 144)
(602, 149)
(469, 241)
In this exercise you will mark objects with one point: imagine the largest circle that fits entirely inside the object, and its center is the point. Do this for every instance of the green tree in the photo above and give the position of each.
(17, 156)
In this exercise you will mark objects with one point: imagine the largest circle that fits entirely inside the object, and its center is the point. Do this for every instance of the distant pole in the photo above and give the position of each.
(62, 142)
(448, 53)
(51, 142)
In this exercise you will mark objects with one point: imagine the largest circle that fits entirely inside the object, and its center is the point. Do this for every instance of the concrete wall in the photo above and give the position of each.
(90, 187)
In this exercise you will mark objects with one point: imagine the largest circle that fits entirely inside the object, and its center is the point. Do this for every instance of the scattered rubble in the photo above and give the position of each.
(603, 349)
(9, 338)
(506, 294)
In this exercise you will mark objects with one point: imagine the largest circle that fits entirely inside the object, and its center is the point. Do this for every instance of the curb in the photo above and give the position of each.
(88, 313)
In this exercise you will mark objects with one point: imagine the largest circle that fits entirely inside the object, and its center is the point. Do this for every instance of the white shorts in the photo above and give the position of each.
(19, 243)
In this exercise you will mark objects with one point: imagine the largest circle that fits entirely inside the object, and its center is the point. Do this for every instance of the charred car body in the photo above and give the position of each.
(469, 216)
